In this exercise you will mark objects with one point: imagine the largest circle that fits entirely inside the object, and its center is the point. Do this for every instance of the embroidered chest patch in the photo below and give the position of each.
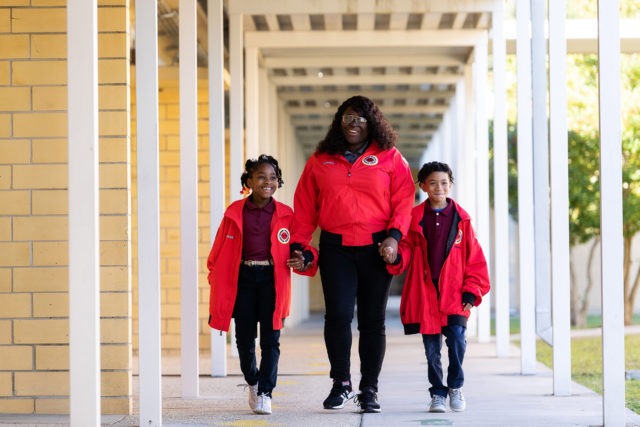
(370, 160)
(284, 235)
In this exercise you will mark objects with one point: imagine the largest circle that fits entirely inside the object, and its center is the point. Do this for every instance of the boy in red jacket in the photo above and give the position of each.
(447, 275)
(250, 275)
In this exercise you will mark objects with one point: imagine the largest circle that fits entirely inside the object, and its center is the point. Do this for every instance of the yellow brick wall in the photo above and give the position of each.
(34, 365)
(169, 140)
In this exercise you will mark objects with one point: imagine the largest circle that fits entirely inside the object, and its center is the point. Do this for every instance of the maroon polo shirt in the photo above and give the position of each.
(436, 226)
(256, 233)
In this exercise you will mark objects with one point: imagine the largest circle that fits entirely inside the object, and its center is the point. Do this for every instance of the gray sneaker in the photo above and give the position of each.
(456, 400)
(438, 404)
(253, 396)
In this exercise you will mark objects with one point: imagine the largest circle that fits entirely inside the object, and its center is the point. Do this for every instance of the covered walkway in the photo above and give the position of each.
(496, 392)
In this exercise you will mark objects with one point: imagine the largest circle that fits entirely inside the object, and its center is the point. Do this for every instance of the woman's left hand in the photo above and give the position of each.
(388, 250)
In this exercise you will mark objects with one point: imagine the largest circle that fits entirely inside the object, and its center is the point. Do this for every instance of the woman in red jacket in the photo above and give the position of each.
(358, 189)
(250, 276)
(447, 275)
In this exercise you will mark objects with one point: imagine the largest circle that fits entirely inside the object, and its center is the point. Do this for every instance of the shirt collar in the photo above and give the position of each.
(268, 208)
(446, 211)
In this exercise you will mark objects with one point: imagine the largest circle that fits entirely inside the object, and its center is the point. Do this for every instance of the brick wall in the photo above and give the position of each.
(34, 364)
(169, 147)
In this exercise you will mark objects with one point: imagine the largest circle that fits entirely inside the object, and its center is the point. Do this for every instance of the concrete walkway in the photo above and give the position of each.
(496, 393)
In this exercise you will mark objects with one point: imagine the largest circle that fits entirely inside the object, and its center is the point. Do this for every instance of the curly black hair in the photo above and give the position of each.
(380, 129)
(428, 168)
(251, 165)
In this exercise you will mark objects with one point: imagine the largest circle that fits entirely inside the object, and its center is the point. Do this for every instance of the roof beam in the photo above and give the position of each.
(321, 96)
(389, 109)
(346, 80)
(261, 7)
(359, 61)
(362, 38)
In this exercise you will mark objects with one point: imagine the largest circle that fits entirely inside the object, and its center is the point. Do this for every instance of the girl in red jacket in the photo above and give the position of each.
(447, 275)
(250, 275)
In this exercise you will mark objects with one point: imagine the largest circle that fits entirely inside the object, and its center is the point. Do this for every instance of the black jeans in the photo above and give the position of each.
(353, 274)
(255, 302)
(456, 345)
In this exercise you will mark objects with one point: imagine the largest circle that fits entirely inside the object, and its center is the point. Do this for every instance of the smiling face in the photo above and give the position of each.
(437, 185)
(355, 133)
(263, 184)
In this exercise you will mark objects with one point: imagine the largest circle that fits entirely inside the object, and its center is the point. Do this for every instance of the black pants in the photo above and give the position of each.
(255, 302)
(350, 275)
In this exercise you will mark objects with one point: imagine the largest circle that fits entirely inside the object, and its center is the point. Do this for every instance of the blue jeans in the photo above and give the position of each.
(456, 345)
(255, 302)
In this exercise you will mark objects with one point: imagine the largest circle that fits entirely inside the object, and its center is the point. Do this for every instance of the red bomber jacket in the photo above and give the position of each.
(376, 193)
(224, 264)
(464, 270)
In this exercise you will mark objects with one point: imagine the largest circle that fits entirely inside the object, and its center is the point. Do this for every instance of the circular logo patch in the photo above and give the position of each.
(283, 235)
(370, 160)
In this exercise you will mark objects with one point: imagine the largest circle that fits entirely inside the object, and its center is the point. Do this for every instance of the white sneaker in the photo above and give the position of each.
(438, 404)
(253, 396)
(264, 405)
(456, 400)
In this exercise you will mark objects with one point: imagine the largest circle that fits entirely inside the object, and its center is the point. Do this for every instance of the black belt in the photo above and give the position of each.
(255, 263)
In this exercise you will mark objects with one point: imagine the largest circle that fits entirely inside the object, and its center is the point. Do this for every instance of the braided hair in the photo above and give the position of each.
(251, 165)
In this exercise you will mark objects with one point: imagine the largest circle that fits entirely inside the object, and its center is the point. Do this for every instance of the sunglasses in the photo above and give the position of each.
(347, 119)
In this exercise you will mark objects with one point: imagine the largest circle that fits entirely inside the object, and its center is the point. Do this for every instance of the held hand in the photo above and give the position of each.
(388, 250)
(297, 262)
(466, 306)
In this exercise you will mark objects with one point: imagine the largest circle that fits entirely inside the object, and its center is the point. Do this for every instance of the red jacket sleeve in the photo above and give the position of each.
(305, 217)
(402, 195)
(476, 274)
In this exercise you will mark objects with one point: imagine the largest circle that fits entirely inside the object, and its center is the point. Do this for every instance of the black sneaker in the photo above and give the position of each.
(368, 401)
(338, 396)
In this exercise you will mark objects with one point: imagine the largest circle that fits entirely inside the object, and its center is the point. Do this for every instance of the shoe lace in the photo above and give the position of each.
(437, 399)
(456, 393)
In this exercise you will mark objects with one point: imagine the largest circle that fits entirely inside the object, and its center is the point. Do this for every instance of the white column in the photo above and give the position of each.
(525, 191)
(483, 211)
(84, 226)
(236, 105)
(252, 104)
(613, 396)
(560, 256)
(216, 155)
(500, 186)
(541, 171)
(189, 262)
(149, 357)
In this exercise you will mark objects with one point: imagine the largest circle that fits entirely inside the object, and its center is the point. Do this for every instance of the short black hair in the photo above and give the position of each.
(428, 168)
(251, 166)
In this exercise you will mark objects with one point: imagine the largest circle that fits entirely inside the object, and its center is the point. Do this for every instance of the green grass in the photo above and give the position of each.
(586, 364)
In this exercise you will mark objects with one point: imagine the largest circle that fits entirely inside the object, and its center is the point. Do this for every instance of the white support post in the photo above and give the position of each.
(483, 211)
(613, 396)
(84, 225)
(252, 104)
(189, 262)
(236, 105)
(525, 191)
(149, 356)
(500, 187)
(541, 171)
(560, 257)
(216, 155)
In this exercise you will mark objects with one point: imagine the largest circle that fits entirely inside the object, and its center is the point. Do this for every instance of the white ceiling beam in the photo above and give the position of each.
(458, 21)
(364, 80)
(300, 22)
(373, 39)
(388, 109)
(321, 96)
(261, 7)
(325, 120)
(272, 22)
(398, 21)
(333, 22)
(431, 21)
(357, 61)
(366, 21)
